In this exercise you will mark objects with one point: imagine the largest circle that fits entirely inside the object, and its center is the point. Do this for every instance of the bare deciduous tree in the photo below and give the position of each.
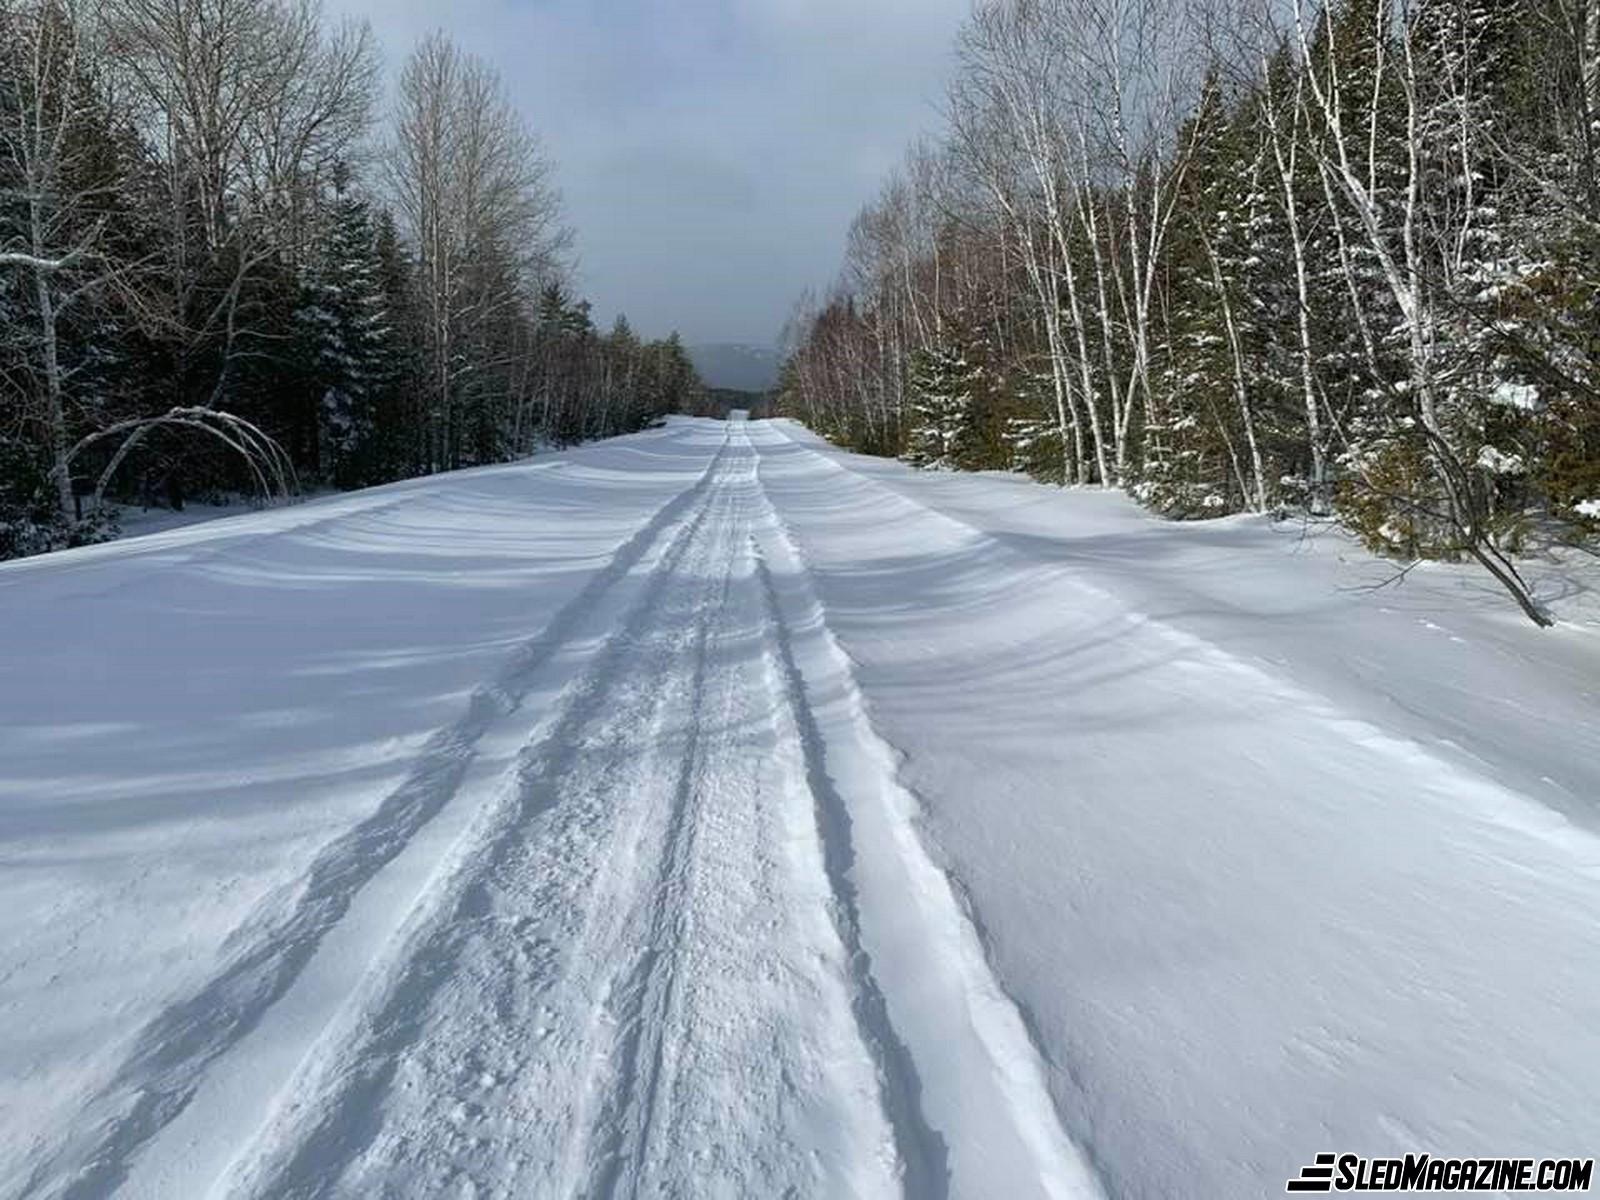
(472, 183)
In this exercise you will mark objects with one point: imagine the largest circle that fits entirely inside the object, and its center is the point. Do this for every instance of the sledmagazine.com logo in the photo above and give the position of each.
(1427, 1173)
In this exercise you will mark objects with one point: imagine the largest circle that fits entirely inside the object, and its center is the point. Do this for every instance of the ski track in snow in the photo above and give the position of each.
(692, 941)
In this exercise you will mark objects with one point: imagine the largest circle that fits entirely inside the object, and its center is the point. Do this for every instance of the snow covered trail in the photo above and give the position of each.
(135, 1065)
(640, 975)
(710, 812)
(1245, 919)
(648, 916)
(629, 983)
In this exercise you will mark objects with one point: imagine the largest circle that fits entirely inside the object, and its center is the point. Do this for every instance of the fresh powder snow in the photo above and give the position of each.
(713, 812)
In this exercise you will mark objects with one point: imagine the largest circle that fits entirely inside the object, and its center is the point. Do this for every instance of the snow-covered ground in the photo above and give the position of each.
(133, 521)
(710, 812)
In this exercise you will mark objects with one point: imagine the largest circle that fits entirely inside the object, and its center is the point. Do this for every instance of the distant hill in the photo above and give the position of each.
(737, 368)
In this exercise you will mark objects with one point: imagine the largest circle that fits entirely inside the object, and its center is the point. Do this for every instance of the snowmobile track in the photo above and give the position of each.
(268, 951)
(584, 943)
(688, 941)
(972, 1071)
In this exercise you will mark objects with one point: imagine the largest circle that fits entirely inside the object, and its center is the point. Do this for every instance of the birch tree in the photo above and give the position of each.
(63, 189)
(472, 184)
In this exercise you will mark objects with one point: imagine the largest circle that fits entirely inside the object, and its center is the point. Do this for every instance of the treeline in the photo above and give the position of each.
(218, 274)
(1256, 256)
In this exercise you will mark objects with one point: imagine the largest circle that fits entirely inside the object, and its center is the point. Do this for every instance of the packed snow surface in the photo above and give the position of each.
(711, 812)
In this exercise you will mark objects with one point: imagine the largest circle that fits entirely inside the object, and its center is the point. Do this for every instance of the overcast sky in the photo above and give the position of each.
(711, 152)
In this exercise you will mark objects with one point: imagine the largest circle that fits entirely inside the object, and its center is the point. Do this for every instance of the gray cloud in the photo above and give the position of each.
(711, 152)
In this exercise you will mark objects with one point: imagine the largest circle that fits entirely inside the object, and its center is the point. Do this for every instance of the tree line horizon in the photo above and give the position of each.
(1246, 256)
(223, 270)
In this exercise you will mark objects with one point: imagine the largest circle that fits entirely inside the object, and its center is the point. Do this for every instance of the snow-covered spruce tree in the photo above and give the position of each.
(1537, 309)
(622, 404)
(942, 403)
(1467, 52)
(563, 340)
(1549, 384)
(1031, 434)
(1212, 460)
(344, 327)
(398, 449)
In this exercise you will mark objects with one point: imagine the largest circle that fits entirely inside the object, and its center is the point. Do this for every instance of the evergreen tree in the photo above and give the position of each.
(941, 401)
(345, 327)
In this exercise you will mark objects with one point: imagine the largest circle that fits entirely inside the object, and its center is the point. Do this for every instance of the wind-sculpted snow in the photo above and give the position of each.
(711, 813)
(266, 953)
(1223, 822)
